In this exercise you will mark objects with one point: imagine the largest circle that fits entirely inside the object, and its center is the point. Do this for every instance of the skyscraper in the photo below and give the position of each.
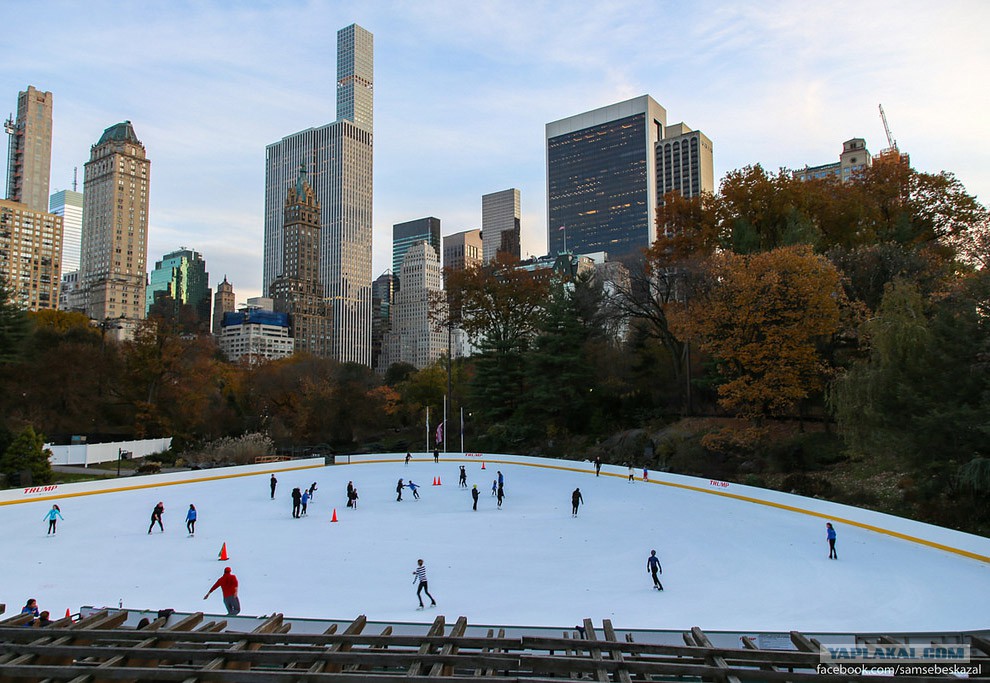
(298, 290)
(462, 250)
(601, 179)
(115, 225)
(684, 162)
(29, 160)
(69, 205)
(404, 235)
(223, 302)
(180, 279)
(30, 249)
(500, 214)
(338, 159)
(415, 337)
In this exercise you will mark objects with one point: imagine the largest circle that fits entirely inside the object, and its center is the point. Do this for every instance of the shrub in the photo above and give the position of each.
(239, 450)
(27, 453)
(149, 467)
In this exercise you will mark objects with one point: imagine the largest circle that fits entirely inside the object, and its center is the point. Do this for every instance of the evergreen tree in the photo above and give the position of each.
(27, 453)
(13, 326)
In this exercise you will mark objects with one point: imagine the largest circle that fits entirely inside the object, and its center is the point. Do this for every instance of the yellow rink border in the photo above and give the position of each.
(734, 496)
(135, 487)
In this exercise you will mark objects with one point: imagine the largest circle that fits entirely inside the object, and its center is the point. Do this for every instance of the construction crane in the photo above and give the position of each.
(891, 142)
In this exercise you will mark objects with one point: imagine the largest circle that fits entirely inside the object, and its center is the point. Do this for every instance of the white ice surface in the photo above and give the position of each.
(727, 564)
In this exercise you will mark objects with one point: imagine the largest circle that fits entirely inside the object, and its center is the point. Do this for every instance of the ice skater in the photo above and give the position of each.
(408, 458)
(273, 483)
(576, 500)
(352, 498)
(501, 495)
(462, 479)
(419, 575)
(398, 490)
(436, 455)
(653, 567)
(646, 474)
(156, 516)
(228, 587)
(598, 465)
(312, 491)
(191, 520)
(50, 516)
(474, 494)
(501, 479)
(632, 474)
(296, 502)
(414, 487)
(304, 501)
(494, 486)
(830, 535)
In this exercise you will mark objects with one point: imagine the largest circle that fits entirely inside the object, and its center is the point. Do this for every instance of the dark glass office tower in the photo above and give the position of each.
(404, 235)
(601, 179)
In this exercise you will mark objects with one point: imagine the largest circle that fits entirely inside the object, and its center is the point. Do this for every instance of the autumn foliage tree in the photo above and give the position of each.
(761, 317)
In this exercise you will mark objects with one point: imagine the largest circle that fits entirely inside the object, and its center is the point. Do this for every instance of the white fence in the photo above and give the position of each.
(92, 453)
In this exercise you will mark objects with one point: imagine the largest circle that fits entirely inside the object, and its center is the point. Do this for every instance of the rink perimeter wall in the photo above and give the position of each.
(949, 540)
(58, 492)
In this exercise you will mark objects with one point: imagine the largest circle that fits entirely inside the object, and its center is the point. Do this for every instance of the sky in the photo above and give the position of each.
(463, 92)
(726, 564)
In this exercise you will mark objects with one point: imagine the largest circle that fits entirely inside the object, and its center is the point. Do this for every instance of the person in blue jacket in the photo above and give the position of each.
(305, 500)
(653, 567)
(830, 535)
(414, 487)
(191, 520)
(50, 516)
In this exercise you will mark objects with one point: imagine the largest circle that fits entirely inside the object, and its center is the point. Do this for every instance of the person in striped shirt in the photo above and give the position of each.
(420, 576)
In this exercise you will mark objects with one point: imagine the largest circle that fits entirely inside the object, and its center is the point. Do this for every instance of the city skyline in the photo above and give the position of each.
(462, 98)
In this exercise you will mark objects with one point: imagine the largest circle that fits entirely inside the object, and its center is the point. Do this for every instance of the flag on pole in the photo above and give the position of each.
(439, 432)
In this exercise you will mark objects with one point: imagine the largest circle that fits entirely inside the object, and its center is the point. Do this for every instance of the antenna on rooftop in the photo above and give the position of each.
(75, 174)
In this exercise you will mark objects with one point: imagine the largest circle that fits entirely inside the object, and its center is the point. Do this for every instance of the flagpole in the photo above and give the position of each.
(462, 430)
(445, 424)
(427, 429)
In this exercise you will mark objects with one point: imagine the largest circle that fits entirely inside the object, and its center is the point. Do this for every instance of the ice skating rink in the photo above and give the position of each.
(727, 564)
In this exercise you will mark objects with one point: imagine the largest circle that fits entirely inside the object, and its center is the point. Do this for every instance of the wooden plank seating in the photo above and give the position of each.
(100, 648)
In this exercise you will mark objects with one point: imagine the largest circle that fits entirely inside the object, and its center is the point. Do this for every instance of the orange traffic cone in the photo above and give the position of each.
(68, 614)
(439, 483)
(482, 464)
(334, 518)
(223, 553)
(434, 481)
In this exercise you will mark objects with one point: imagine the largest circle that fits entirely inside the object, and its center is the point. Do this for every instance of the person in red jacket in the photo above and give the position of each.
(228, 586)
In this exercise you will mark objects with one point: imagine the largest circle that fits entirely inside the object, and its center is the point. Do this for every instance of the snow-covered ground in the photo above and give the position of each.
(727, 564)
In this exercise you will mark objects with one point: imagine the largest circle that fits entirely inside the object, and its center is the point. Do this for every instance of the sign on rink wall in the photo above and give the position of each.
(58, 491)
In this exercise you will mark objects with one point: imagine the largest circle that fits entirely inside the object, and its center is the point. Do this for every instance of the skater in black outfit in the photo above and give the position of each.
(653, 567)
(436, 455)
(296, 502)
(598, 466)
(273, 483)
(352, 498)
(576, 500)
(398, 490)
(408, 457)
(475, 494)
(420, 575)
(312, 492)
(156, 516)
(462, 480)
(501, 495)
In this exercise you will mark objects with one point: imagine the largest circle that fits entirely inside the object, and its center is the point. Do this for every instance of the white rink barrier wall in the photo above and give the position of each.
(949, 540)
(92, 453)
(58, 492)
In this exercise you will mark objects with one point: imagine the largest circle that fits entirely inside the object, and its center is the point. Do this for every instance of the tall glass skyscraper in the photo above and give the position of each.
(182, 278)
(500, 223)
(338, 160)
(601, 179)
(69, 205)
(404, 235)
